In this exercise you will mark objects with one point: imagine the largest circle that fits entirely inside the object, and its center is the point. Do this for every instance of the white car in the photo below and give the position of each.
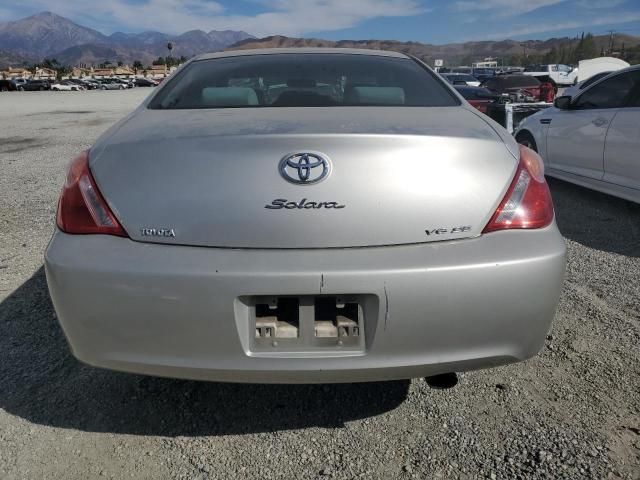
(574, 90)
(562, 75)
(65, 86)
(592, 139)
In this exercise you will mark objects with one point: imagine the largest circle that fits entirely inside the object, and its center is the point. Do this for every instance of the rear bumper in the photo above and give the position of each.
(174, 310)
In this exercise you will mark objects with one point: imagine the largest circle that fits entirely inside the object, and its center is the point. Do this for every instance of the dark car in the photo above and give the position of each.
(83, 83)
(33, 85)
(461, 79)
(7, 86)
(483, 73)
(145, 82)
(511, 84)
(478, 97)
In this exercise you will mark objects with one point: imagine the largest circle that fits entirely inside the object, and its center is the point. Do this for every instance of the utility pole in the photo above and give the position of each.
(611, 33)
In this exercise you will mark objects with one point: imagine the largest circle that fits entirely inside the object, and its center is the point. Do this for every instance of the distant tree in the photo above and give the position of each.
(586, 48)
(137, 65)
(120, 63)
(552, 56)
(51, 63)
(63, 71)
(589, 48)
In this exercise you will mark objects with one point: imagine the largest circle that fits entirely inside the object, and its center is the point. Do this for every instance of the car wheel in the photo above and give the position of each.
(41, 89)
(103, 88)
(4, 89)
(21, 89)
(526, 139)
(121, 87)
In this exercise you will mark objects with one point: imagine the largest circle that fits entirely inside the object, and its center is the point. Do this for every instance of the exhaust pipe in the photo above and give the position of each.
(443, 381)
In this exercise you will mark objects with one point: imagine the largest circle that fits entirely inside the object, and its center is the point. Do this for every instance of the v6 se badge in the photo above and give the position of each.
(448, 231)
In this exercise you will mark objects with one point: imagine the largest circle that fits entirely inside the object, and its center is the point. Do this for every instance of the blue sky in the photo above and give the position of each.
(430, 21)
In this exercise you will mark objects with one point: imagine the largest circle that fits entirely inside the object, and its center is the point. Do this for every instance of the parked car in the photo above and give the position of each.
(592, 139)
(110, 84)
(512, 83)
(66, 85)
(557, 74)
(126, 82)
(145, 82)
(7, 85)
(461, 79)
(87, 85)
(32, 85)
(19, 83)
(93, 84)
(478, 97)
(576, 89)
(410, 238)
(483, 73)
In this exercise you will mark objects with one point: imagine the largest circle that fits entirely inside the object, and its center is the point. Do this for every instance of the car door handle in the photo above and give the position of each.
(599, 122)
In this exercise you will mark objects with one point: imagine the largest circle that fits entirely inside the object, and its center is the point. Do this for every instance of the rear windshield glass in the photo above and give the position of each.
(461, 77)
(475, 93)
(303, 80)
(520, 81)
(536, 68)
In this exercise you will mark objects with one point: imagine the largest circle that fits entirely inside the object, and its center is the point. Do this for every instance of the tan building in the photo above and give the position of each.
(16, 72)
(157, 71)
(102, 72)
(124, 72)
(45, 73)
(80, 72)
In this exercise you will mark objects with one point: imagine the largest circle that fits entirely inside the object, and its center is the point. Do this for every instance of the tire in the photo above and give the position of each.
(525, 138)
(4, 89)
(103, 88)
(41, 89)
(121, 87)
(21, 89)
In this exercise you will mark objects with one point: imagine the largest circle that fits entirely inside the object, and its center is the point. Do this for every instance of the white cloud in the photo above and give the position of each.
(599, 4)
(503, 8)
(542, 27)
(286, 17)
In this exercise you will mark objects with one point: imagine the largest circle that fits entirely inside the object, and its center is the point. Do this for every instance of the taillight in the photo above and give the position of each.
(81, 208)
(527, 203)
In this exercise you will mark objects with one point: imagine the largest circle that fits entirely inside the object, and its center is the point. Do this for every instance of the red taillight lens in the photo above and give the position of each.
(527, 203)
(81, 208)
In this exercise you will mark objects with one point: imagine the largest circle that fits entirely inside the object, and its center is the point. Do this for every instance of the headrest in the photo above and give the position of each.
(376, 95)
(229, 96)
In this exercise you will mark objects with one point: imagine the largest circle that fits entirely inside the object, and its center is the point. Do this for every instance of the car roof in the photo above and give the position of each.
(276, 51)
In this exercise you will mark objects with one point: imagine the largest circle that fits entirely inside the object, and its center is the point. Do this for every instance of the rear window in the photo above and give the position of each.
(520, 81)
(536, 68)
(475, 93)
(461, 77)
(303, 80)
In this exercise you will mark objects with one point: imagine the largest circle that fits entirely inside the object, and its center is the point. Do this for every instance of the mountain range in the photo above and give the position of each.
(49, 35)
(452, 53)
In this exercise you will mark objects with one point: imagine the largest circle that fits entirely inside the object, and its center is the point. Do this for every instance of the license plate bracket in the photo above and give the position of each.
(306, 323)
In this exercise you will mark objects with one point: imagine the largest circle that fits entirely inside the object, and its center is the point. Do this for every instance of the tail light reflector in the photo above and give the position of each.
(82, 209)
(527, 203)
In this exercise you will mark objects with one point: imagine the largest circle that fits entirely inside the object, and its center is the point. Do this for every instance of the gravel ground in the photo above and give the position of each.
(571, 412)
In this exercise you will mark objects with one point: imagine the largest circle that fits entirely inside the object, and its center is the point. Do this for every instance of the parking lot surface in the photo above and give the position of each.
(572, 412)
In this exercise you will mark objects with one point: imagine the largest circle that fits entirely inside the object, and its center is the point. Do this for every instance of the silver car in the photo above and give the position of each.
(593, 138)
(306, 215)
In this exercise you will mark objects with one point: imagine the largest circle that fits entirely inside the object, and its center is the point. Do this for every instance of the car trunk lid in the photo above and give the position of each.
(212, 178)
